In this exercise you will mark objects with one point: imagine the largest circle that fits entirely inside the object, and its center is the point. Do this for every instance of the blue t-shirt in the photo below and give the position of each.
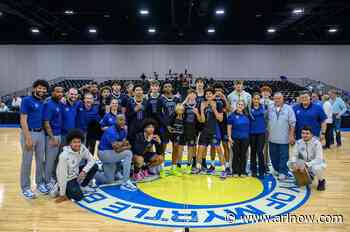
(108, 120)
(240, 125)
(110, 136)
(33, 108)
(312, 116)
(69, 116)
(53, 114)
(87, 116)
(257, 120)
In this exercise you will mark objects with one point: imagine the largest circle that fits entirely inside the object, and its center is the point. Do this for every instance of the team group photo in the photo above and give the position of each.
(174, 128)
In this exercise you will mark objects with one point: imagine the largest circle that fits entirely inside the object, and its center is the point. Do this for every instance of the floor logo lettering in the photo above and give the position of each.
(278, 197)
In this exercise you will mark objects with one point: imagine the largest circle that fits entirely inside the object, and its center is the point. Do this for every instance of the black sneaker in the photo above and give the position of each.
(325, 147)
(321, 185)
(211, 169)
(254, 174)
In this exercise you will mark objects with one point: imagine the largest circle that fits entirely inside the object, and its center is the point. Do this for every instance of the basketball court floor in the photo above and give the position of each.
(171, 203)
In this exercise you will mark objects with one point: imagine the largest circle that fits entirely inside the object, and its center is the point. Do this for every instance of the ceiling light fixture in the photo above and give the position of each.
(69, 12)
(144, 12)
(92, 30)
(298, 11)
(220, 12)
(211, 30)
(332, 30)
(35, 30)
(152, 30)
(271, 30)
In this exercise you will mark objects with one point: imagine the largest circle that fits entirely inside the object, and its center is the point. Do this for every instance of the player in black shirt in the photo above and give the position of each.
(168, 103)
(192, 118)
(177, 134)
(210, 118)
(135, 112)
(121, 97)
(153, 109)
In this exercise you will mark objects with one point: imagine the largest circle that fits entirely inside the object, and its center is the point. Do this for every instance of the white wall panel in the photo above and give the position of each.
(21, 64)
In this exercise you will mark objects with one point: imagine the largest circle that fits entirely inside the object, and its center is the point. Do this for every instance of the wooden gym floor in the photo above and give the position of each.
(43, 214)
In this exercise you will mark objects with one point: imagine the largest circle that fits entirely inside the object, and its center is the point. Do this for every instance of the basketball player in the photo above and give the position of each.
(147, 152)
(238, 126)
(224, 107)
(168, 103)
(210, 118)
(110, 117)
(200, 85)
(117, 94)
(135, 112)
(113, 148)
(176, 130)
(192, 118)
(307, 153)
(73, 179)
(53, 127)
(33, 139)
(239, 94)
(153, 108)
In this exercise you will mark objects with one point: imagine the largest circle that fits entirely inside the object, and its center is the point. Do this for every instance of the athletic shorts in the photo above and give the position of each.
(206, 139)
(178, 139)
(165, 136)
(148, 156)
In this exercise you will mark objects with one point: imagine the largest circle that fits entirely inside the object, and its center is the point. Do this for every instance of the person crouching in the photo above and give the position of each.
(73, 179)
(307, 154)
(147, 152)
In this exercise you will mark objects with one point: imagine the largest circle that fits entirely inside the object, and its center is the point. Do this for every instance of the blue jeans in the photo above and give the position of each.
(279, 155)
(110, 160)
(336, 127)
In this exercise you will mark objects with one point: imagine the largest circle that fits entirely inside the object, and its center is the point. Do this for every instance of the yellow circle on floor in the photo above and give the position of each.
(203, 189)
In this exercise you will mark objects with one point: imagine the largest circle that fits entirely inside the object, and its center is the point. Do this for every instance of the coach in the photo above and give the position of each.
(53, 128)
(281, 133)
(309, 114)
(33, 138)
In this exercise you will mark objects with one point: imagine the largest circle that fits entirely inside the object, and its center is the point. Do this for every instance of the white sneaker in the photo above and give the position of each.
(235, 175)
(282, 177)
(128, 186)
(88, 189)
(54, 191)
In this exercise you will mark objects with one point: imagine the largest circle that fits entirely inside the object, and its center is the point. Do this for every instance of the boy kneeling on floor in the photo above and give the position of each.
(147, 149)
(308, 154)
(72, 178)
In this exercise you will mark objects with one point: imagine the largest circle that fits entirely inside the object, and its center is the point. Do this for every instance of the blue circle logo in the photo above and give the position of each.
(276, 198)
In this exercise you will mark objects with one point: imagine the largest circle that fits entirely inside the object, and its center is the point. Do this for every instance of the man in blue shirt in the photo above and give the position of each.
(69, 110)
(33, 139)
(338, 108)
(88, 121)
(309, 114)
(53, 128)
(113, 148)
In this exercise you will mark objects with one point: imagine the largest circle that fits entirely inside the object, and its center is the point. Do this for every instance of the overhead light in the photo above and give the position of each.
(211, 30)
(271, 30)
(1, 13)
(92, 30)
(298, 11)
(35, 30)
(332, 30)
(144, 12)
(69, 12)
(220, 11)
(152, 30)
(107, 15)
